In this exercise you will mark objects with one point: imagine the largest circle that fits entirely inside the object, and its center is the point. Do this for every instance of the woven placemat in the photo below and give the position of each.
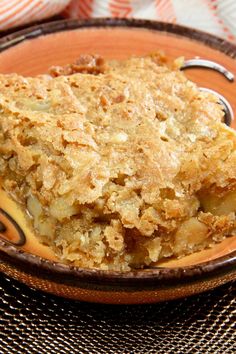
(34, 322)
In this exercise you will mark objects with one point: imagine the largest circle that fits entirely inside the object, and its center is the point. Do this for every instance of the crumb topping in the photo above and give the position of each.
(119, 163)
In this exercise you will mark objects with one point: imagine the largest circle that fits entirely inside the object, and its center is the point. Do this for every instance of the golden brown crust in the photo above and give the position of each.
(85, 64)
(114, 167)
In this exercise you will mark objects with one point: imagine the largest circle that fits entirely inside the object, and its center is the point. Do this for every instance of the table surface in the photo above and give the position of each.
(34, 322)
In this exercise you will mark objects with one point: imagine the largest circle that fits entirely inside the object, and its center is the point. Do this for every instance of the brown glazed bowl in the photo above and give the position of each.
(31, 52)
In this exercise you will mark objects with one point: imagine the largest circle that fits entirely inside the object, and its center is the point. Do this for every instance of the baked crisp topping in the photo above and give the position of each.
(120, 164)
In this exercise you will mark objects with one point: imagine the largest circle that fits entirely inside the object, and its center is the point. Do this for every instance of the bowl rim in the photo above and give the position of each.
(141, 279)
(37, 30)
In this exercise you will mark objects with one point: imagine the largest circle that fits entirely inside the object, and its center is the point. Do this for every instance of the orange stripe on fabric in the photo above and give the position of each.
(22, 15)
(50, 10)
(41, 8)
(213, 7)
(85, 9)
(81, 13)
(35, 10)
(165, 10)
(87, 6)
(38, 10)
(69, 10)
(16, 11)
(119, 8)
(53, 8)
(30, 11)
(76, 9)
(4, 8)
(122, 2)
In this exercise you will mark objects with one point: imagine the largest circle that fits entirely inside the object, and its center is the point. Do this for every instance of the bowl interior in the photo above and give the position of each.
(35, 56)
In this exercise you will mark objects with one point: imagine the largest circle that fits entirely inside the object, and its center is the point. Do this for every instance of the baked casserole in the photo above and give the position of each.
(118, 164)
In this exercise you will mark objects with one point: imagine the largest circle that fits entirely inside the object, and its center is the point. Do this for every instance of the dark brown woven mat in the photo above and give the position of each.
(34, 322)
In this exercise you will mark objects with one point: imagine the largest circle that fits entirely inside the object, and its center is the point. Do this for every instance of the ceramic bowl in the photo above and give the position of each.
(33, 51)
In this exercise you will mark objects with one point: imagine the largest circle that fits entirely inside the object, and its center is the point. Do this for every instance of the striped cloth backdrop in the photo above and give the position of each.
(19, 12)
(214, 16)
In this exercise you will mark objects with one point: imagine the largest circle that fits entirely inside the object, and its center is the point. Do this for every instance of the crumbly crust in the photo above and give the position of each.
(119, 165)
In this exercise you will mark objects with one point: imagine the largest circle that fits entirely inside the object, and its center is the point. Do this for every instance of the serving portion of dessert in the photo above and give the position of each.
(118, 164)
